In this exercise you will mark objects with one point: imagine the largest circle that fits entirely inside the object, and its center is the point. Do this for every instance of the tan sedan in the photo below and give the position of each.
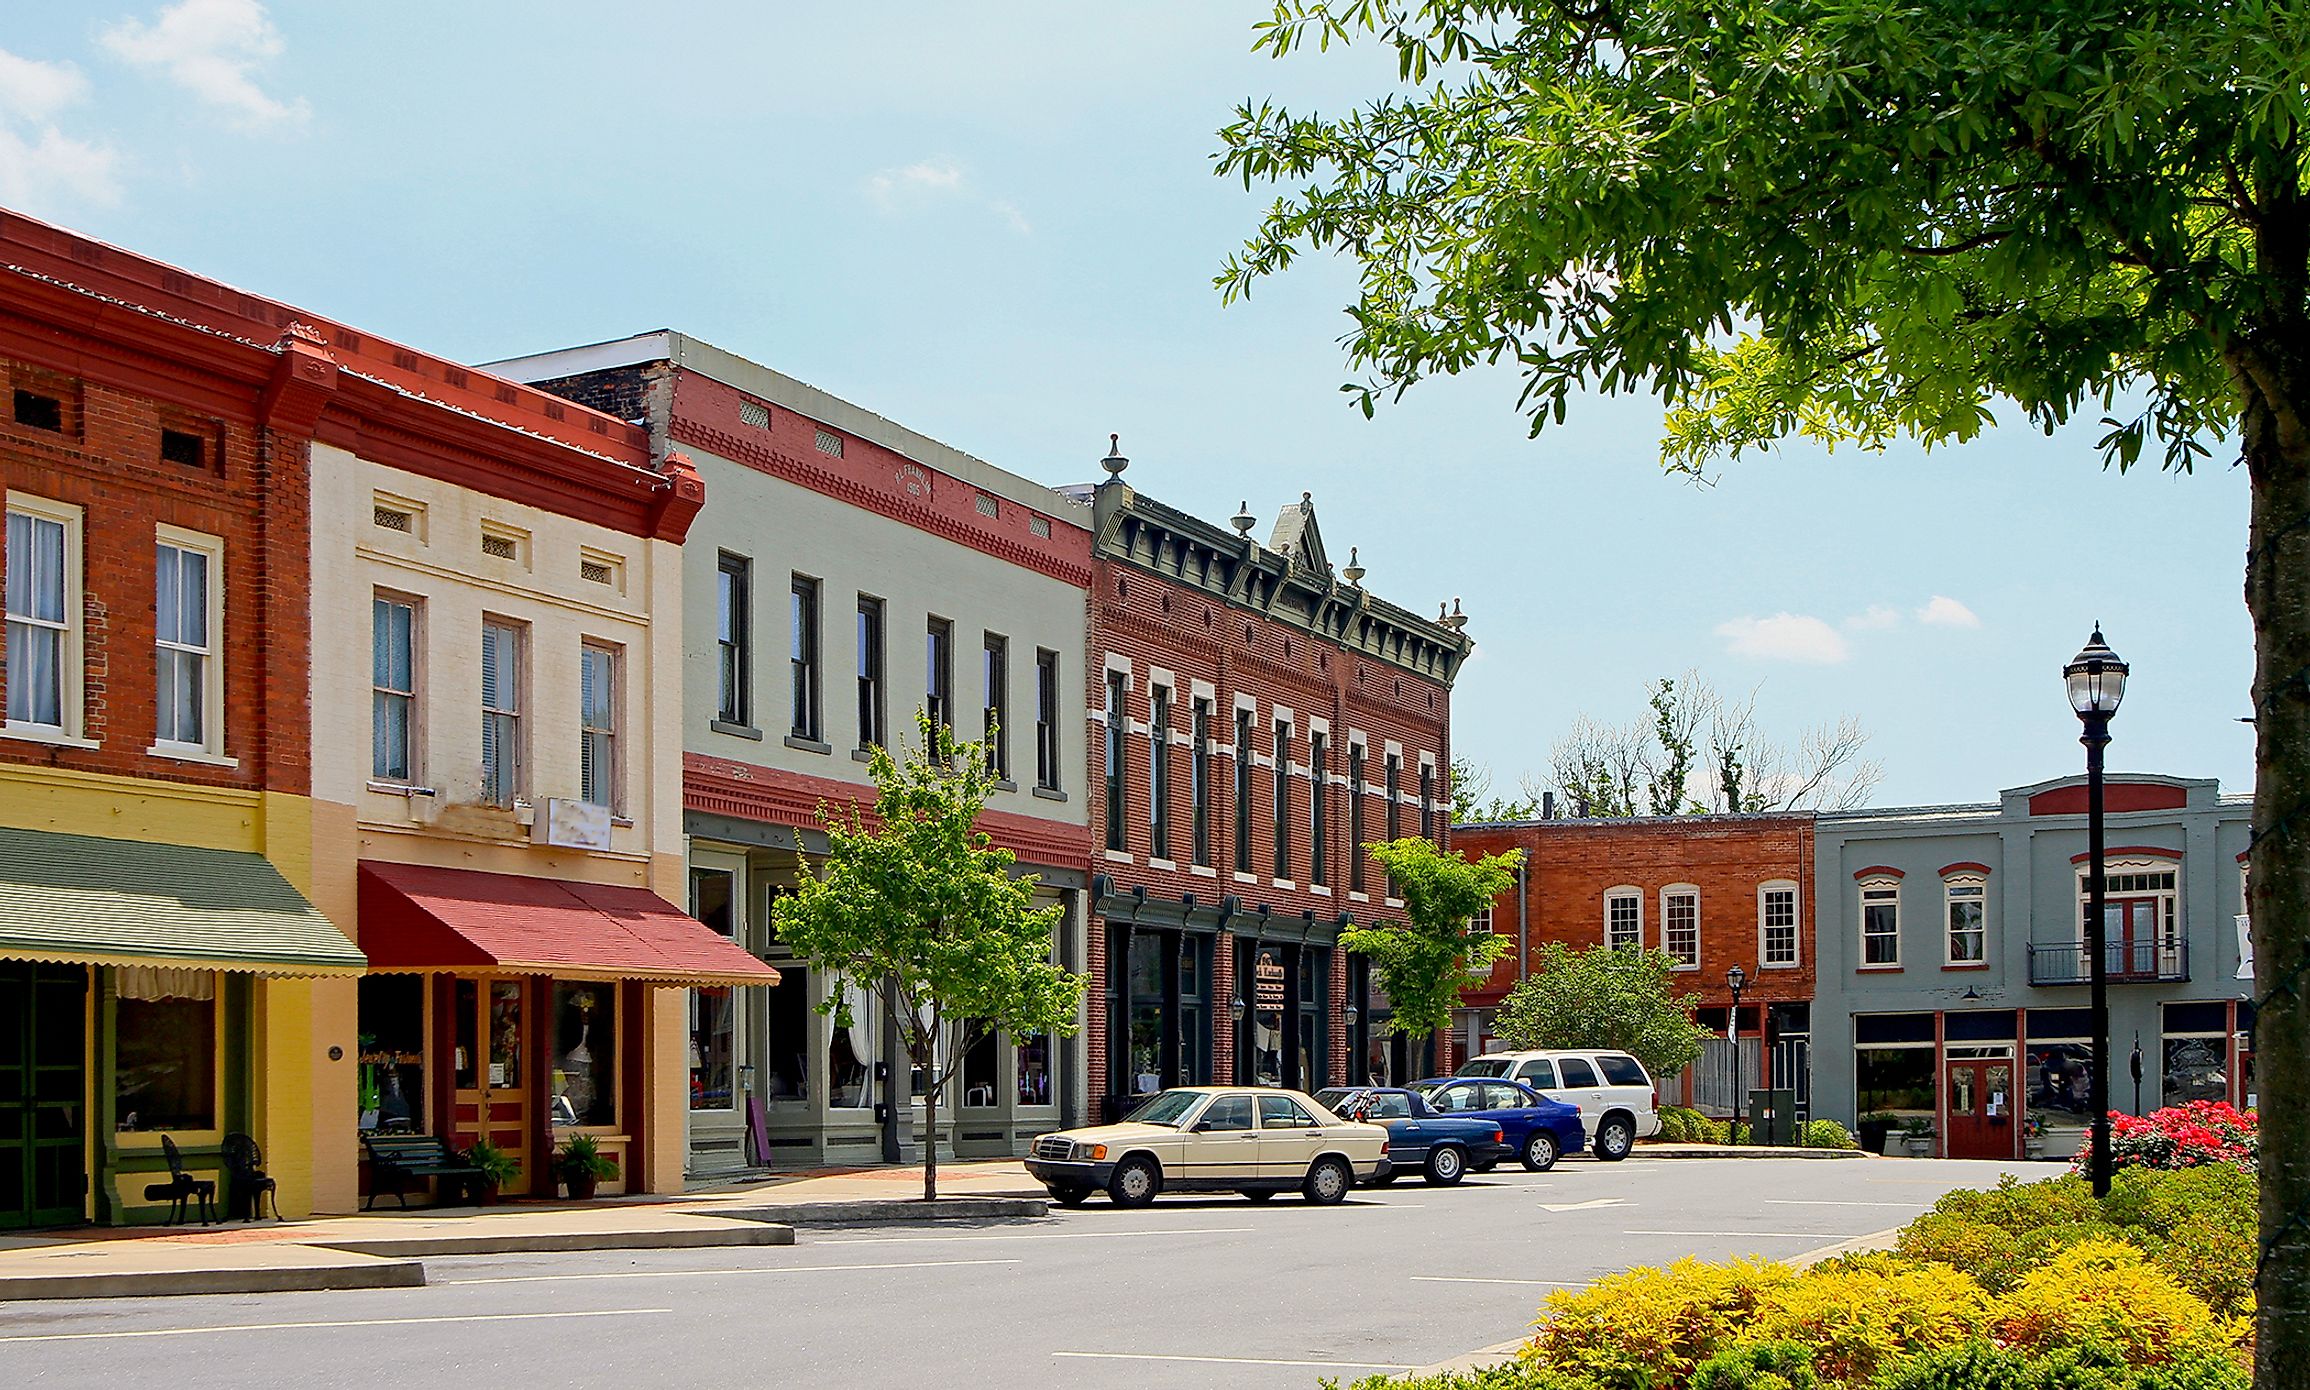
(1254, 1140)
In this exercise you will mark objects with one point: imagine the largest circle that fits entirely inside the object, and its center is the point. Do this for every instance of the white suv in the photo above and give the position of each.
(1611, 1088)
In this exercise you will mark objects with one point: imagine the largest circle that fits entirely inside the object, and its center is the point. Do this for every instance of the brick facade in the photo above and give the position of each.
(1571, 866)
(1221, 625)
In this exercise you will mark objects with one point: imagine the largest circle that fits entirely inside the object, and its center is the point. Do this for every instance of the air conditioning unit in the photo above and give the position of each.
(570, 824)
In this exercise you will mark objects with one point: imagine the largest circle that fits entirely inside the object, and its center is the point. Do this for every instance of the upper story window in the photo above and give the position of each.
(806, 723)
(872, 730)
(1047, 720)
(600, 779)
(2141, 917)
(394, 730)
(1117, 720)
(1680, 924)
(44, 629)
(1243, 791)
(1394, 789)
(1282, 799)
(1159, 771)
(501, 739)
(938, 673)
(995, 702)
(1318, 759)
(1880, 922)
(1427, 801)
(1624, 917)
(733, 639)
(1199, 784)
(1355, 798)
(1967, 899)
(188, 610)
(1777, 924)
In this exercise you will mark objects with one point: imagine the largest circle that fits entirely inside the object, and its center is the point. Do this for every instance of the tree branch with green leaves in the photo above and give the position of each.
(1426, 964)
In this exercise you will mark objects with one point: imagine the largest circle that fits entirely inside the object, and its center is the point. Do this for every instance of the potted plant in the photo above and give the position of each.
(497, 1169)
(581, 1165)
(1875, 1128)
(1917, 1138)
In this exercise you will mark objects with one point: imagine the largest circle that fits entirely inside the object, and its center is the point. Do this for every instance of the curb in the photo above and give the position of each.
(1500, 1353)
(370, 1274)
(1743, 1151)
(883, 1213)
(753, 1233)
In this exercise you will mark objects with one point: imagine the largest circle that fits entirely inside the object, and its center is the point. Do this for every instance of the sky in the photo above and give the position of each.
(998, 225)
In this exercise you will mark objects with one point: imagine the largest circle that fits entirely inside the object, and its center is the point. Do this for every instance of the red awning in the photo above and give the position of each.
(415, 917)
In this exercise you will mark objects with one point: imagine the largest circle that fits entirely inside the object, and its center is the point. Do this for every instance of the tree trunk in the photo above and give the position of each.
(2278, 594)
(931, 1083)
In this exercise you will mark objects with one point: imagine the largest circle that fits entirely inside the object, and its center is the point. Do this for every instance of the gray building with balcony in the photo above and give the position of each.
(1953, 980)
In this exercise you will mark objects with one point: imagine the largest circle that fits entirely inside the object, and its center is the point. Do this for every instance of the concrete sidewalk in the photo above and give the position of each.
(381, 1248)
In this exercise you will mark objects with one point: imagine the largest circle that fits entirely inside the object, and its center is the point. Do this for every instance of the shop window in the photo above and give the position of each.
(851, 1048)
(788, 1020)
(1034, 1069)
(1898, 1080)
(392, 1060)
(585, 1057)
(714, 1012)
(1314, 1012)
(2196, 1056)
(165, 1049)
(979, 1068)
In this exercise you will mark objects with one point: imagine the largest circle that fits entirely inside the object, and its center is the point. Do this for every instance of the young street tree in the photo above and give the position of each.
(1703, 751)
(1600, 997)
(1852, 221)
(1424, 965)
(921, 898)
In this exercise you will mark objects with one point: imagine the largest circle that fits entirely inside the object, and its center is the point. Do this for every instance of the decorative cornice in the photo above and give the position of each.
(802, 473)
(747, 791)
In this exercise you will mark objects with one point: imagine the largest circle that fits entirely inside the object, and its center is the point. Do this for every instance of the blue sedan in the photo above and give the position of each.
(1540, 1128)
(1442, 1147)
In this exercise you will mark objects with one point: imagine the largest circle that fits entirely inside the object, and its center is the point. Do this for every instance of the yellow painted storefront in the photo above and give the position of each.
(275, 1022)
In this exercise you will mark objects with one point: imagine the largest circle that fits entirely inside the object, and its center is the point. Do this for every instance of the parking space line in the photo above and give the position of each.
(1815, 1202)
(343, 1322)
(1039, 1235)
(718, 1273)
(1731, 1235)
(1462, 1279)
(1235, 1360)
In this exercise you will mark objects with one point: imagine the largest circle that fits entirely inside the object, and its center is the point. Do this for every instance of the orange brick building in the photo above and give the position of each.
(1712, 891)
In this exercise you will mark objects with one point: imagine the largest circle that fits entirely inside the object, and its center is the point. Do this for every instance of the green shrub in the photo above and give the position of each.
(1981, 1366)
(1828, 1134)
(1514, 1375)
(1772, 1366)
(1680, 1125)
(2203, 1221)
(1648, 1327)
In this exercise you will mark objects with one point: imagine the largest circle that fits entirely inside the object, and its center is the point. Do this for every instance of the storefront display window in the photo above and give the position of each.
(789, 1019)
(585, 1089)
(165, 1063)
(1034, 1076)
(850, 1050)
(1314, 1001)
(392, 1075)
(713, 1050)
(2196, 1056)
(1146, 985)
(978, 1075)
(1895, 1079)
(465, 1069)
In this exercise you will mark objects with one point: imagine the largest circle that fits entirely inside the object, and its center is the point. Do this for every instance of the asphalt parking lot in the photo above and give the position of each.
(1204, 1292)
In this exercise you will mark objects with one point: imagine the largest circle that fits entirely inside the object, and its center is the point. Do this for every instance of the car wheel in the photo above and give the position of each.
(1540, 1151)
(1258, 1194)
(1614, 1138)
(1446, 1166)
(1328, 1181)
(1069, 1194)
(1135, 1183)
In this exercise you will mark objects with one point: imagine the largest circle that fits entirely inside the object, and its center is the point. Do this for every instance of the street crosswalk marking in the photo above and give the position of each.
(1585, 1206)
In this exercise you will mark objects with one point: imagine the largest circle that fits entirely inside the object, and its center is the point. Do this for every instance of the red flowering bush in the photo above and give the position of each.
(2196, 1135)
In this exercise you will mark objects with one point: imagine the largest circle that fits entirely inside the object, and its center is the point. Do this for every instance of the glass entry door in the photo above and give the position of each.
(492, 1094)
(43, 1075)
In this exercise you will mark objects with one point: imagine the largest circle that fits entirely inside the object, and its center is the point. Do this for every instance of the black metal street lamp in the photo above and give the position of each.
(1736, 979)
(2097, 682)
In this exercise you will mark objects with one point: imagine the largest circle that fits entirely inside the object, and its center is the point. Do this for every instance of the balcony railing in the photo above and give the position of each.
(2127, 962)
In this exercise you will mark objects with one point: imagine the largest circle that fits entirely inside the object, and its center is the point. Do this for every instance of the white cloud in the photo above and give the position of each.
(1784, 637)
(211, 48)
(36, 91)
(1944, 611)
(1875, 618)
(917, 185)
(42, 169)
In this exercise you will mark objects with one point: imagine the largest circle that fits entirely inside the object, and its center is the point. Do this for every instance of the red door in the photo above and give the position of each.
(1981, 1104)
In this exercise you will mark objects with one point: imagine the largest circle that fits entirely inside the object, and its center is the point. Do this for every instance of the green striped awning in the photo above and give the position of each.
(86, 900)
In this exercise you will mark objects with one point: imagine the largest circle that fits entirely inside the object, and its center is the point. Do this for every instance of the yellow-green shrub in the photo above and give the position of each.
(2205, 1219)
(1648, 1327)
(2104, 1293)
(1858, 1318)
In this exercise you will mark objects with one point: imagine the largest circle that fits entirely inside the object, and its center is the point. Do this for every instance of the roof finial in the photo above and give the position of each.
(1458, 619)
(1114, 463)
(1243, 520)
(1307, 501)
(1355, 573)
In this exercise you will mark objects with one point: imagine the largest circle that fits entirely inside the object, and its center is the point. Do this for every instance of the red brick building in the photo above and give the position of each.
(1254, 717)
(1712, 891)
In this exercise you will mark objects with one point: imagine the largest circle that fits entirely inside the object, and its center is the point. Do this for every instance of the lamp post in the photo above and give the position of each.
(1736, 979)
(2097, 682)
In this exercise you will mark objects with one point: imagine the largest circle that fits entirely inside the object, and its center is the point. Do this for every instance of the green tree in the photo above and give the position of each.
(921, 898)
(1623, 999)
(1472, 800)
(1425, 964)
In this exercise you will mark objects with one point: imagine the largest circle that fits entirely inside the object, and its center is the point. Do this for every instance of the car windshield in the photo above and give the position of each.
(1332, 1096)
(1165, 1108)
(1485, 1066)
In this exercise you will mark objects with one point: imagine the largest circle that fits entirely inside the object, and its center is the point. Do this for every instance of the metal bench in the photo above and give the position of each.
(395, 1160)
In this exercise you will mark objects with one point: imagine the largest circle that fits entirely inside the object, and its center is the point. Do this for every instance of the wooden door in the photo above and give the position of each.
(493, 1098)
(43, 1077)
(1980, 1116)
